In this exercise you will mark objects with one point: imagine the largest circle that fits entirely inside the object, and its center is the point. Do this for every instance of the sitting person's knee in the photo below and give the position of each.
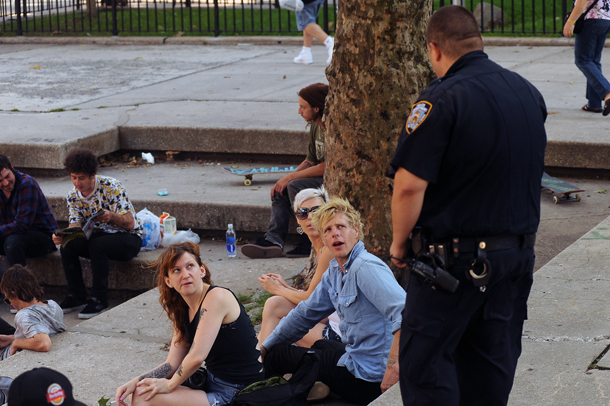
(276, 306)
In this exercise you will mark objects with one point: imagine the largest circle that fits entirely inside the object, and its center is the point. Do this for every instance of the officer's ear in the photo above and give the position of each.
(434, 52)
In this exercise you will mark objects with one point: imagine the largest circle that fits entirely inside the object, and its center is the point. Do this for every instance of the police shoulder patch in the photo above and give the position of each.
(419, 112)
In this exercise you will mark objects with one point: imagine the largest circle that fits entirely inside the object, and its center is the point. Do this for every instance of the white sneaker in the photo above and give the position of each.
(329, 48)
(304, 57)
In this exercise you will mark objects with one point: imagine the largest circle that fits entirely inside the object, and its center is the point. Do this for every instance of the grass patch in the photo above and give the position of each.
(57, 110)
(75, 109)
(244, 19)
(529, 17)
(254, 304)
(524, 16)
(15, 110)
(102, 107)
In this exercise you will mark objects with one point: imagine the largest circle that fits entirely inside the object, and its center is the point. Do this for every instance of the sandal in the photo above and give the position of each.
(596, 110)
(606, 108)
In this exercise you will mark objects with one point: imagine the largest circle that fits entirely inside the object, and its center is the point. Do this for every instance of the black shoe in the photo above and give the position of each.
(262, 249)
(302, 249)
(70, 303)
(606, 109)
(93, 308)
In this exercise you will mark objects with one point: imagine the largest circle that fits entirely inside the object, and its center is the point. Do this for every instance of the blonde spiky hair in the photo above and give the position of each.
(335, 206)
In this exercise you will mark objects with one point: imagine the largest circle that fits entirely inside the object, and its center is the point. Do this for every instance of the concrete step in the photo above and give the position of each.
(201, 196)
(228, 99)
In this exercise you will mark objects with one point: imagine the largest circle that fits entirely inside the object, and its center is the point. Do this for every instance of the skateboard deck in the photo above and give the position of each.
(560, 189)
(249, 173)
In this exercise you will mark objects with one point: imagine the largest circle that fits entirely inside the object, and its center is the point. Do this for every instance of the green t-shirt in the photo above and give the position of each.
(315, 153)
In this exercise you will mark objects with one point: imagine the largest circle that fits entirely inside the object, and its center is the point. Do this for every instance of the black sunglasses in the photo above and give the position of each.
(7, 301)
(303, 212)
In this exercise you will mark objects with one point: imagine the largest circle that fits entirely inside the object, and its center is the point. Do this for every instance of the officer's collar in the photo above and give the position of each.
(464, 60)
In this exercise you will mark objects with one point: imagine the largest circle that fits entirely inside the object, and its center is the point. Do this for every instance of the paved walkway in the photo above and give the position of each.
(197, 88)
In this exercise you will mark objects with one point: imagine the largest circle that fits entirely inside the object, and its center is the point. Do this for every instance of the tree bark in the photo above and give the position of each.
(92, 8)
(379, 68)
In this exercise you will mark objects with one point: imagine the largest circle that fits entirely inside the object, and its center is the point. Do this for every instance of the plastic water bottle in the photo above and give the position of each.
(231, 252)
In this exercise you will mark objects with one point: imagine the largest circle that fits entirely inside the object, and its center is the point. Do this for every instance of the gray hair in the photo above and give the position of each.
(307, 194)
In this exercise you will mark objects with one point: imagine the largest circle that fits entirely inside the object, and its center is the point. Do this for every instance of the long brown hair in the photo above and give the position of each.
(171, 301)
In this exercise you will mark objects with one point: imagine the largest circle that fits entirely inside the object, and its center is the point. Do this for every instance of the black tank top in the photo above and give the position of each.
(233, 357)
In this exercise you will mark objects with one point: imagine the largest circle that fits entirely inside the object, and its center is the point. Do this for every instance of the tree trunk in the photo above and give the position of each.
(303, 278)
(92, 8)
(379, 68)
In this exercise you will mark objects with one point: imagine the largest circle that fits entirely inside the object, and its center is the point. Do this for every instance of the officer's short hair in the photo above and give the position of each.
(335, 206)
(307, 194)
(454, 30)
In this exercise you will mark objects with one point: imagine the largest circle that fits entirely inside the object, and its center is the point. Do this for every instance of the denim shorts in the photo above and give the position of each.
(309, 14)
(220, 392)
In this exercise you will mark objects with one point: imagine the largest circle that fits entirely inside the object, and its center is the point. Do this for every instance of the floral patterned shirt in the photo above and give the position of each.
(108, 194)
(601, 10)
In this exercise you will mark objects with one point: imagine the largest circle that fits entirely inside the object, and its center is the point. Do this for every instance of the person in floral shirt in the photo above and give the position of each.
(111, 231)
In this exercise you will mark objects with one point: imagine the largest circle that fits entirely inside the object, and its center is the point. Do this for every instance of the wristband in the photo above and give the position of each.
(571, 22)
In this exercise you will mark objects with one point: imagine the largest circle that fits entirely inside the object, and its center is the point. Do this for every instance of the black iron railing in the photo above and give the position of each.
(237, 17)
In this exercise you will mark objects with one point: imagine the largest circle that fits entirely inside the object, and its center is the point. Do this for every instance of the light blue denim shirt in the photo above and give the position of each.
(369, 303)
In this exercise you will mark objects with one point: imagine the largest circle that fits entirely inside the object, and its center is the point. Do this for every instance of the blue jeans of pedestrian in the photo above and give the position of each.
(588, 48)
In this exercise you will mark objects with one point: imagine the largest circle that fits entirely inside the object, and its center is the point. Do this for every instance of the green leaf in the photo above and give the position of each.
(103, 401)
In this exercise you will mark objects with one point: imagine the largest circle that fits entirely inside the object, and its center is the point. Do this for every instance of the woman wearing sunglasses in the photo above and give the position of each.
(306, 202)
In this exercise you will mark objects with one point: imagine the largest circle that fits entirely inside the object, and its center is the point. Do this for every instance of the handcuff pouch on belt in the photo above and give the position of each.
(480, 268)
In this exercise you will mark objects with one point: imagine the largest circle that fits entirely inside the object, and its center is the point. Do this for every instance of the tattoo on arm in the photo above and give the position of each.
(201, 314)
(162, 371)
(179, 372)
(120, 220)
(309, 164)
(392, 359)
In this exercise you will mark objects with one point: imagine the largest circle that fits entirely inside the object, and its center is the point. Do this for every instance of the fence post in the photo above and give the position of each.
(18, 12)
(115, 28)
(216, 19)
(326, 30)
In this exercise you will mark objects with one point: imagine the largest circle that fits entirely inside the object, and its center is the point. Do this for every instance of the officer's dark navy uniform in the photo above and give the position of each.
(477, 136)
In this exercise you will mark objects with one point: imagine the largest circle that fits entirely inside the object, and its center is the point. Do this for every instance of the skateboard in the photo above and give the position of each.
(560, 189)
(248, 173)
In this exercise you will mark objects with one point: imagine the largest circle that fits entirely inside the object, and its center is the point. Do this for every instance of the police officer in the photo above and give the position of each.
(467, 173)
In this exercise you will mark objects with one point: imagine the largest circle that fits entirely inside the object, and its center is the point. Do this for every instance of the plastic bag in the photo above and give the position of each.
(180, 236)
(292, 5)
(151, 235)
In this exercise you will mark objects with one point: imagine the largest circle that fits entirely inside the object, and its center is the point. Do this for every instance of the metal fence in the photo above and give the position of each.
(235, 17)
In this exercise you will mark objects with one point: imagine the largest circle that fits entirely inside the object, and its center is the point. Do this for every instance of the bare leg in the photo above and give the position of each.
(314, 335)
(276, 308)
(312, 31)
(182, 396)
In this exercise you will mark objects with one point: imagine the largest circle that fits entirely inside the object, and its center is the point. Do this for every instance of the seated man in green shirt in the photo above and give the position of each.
(309, 174)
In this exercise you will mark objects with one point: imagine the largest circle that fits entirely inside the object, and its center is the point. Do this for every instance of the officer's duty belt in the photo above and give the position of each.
(492, 243)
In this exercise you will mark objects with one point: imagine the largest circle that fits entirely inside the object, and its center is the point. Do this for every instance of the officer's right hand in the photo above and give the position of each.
(398, 251)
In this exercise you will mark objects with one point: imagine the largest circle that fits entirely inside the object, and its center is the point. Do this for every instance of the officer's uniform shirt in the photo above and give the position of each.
(477, 136)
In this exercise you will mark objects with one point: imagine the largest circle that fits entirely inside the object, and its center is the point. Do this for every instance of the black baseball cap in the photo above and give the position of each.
(41, 387)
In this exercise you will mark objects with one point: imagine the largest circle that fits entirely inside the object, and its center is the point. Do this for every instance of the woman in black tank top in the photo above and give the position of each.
(209, 325)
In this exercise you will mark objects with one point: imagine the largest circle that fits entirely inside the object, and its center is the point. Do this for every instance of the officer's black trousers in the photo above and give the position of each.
(462, 348)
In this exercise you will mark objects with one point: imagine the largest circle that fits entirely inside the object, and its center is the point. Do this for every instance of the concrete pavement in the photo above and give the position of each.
(127, 97)
(170, 97)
